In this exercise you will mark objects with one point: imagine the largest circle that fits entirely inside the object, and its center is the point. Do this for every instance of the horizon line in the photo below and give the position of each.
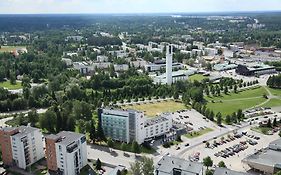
(145, 13)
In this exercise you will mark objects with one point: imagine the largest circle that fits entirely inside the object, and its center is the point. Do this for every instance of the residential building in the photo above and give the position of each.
(131, 125)
(176, 166)
(267, 161)
(66, 152)
(102, 58)
(21, 146)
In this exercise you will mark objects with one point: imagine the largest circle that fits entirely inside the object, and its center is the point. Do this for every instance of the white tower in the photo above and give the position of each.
(169, 64)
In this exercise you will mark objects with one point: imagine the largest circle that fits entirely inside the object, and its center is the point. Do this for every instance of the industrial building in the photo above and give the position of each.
(21, 146)
(267, 161)
(225, 171)
(176, 166)
(66, 152)
(255, 69)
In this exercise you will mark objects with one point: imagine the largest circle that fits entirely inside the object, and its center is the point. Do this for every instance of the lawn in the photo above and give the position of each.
(251, 93)
(228, 107)
(10, 48)
(276, 92)
(195, 134)
(273, 103)
(198, 77)
(227, 104)
(153, 109)
(8, 85)
(262, 130)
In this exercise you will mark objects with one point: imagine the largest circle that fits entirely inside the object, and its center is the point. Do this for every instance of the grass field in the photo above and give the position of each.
(251, 93)
(198, 133)
(153, 109)
(198, 77)
(8, 85)
(273, 103)
(276, 92)
(227, 104)
(10, 48)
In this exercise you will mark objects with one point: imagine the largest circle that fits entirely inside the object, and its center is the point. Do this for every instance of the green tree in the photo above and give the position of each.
(98, 164)
(110, 143)
(221, 164)
(135, 147)
(209, 172)
(136, 168)
(228, 119)
(123, 147)
(219, 118)
(274, 124)
(93, 131)
(208, 162)
(147, 166)
(13, 78)
(33, 117)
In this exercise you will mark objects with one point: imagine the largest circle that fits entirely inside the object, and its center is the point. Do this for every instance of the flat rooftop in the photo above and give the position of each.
(65, 137)
(167, 164)
(24, 130)
(266, 157)
(156, 120)
(225, 171)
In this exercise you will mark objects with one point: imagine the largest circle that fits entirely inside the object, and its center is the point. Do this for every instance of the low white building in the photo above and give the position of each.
(66, 152)
(121, 67)
(210, 51)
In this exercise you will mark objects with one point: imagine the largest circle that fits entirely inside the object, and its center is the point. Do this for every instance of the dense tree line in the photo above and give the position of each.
(274, 81)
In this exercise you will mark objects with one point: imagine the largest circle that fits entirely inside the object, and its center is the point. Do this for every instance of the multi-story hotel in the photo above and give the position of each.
(21, 146)
(131, 125)
(66, 152)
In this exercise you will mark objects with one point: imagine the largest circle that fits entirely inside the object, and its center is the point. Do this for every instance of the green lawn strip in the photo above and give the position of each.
(273, 103)
(197, 77)
(276, 92)
(251, 93)
(262, 130)
(195, 134)
(8, 85)
(153, 109)
(228, 107)
(128, 148)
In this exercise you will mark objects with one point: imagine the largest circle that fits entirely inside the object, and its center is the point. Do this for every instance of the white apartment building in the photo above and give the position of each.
(157, 126)
(210, 51)
(24, 146)
(130, 125)
(66, 152)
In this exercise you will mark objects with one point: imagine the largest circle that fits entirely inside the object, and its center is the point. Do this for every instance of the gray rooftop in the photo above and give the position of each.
(156, 120)
(167, 164)
(24, 130)
(69, 137)
(225, 171)
(266, 157)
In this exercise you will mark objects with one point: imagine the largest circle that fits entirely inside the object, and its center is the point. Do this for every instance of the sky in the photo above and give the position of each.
(134, 6)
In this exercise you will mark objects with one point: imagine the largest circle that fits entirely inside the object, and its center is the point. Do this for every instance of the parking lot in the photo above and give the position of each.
(193, 119)
(231, 149)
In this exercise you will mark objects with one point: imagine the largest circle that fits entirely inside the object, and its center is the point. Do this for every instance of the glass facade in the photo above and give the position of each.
(115, 126)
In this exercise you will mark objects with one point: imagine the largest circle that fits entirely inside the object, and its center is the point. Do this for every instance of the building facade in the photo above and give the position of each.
(21, 146)
(130, 125)
(66, 152)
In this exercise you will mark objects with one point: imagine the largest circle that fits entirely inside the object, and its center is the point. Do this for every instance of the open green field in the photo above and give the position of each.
(227, 104)
(273, 103)
(228, 107)
(10, 48)
(198, 77)
(195, 134)
(8, 85)
(275, 92)
(156, 108)
(251, 93)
